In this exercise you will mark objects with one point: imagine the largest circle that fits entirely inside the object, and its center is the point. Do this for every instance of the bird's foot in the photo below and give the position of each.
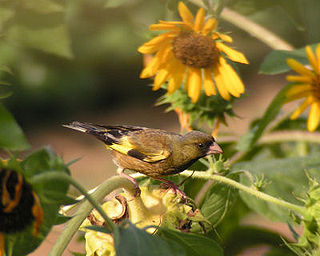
(174, 187)
(133, 180)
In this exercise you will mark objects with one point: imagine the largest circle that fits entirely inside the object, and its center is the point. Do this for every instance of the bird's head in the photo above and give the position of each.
(201, 144)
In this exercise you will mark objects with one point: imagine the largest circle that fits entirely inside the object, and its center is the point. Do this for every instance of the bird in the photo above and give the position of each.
(153, 152)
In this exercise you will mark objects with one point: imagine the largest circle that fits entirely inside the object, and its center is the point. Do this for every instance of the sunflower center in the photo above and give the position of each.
(195, 50)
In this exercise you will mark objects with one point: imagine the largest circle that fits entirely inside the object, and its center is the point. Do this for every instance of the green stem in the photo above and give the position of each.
(65, 177)
(215, 177)
(84, 210)
(254, 192)
(254, 29)
(219, 8)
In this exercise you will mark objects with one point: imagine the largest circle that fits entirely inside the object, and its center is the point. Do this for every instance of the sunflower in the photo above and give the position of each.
(307, 86)
(193, 51)
(19, 204)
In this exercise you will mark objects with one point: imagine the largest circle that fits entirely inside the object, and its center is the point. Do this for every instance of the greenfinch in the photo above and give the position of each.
(153, 152)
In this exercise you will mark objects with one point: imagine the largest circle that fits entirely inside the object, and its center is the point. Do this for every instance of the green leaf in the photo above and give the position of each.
(286, 180)
(192, 244)
(11, 135)
(275, 62)
(247, 141)
(205, 110)
(245, 237)
(137, 242)
(218, 201)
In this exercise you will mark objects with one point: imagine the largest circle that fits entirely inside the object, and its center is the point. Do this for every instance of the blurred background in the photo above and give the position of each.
(78, 60)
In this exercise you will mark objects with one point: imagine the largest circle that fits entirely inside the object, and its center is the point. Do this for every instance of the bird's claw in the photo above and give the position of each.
(174, 188)
(138, 190)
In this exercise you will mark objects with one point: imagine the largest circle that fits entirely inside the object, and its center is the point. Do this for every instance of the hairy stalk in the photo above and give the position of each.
(254, 192)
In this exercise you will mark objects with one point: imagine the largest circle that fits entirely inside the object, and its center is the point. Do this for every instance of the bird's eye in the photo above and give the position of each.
(200, 145)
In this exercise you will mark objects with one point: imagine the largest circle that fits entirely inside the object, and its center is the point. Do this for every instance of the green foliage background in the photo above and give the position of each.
(61, 59)
(79, 56)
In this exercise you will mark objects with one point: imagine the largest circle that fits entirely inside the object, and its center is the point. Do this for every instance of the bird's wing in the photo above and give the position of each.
(146, 144)
(149, 145)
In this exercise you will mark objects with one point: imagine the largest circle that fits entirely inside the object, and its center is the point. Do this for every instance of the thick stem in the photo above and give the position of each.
(73, 225)
(254, 192)
(63, 176)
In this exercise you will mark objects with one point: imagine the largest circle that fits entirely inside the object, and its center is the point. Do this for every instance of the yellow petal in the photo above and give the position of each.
(208, 84)
(152, 48)
(231, 78)
(171, 22)
(179, 25)
(298, 90)
(194, 84)
(160, 78)
(232, 54)
(301, 108)
(159, 39)
(177, 75)
(199, 21)
(166, 55)
(151, 69)
(156, 27)
(185, 13)
(224, 37)
(318, 58)
(313, 119)
(299, 68)
(311, 58)
(210, 25)
(220, 83)
(299, 79)
(156, 62)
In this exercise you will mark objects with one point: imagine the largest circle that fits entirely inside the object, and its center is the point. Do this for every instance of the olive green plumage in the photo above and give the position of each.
(153, 152)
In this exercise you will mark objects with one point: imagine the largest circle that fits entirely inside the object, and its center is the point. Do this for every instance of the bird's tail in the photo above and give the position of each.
(98, 131)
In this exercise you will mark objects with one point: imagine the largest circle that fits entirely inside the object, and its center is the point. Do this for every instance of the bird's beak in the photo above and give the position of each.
(214, 149)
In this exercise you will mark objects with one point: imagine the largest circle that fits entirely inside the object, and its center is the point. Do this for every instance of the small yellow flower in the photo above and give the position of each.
(308, 87)
(192, 50)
